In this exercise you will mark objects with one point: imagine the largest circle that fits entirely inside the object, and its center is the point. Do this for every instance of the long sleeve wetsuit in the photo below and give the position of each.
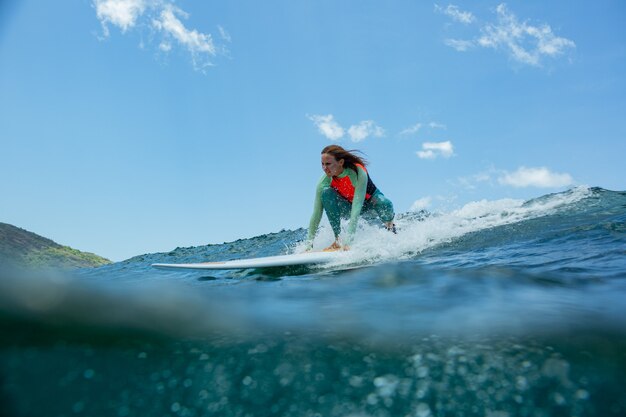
(360, 183)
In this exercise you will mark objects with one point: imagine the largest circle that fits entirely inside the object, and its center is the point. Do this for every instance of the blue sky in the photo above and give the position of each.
(136, 126)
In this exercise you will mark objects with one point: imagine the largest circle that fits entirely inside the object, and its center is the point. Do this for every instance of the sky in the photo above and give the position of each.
(138, 126)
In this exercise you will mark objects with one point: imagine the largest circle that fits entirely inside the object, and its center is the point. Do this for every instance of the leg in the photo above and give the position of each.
(336, 207)
(384, 208)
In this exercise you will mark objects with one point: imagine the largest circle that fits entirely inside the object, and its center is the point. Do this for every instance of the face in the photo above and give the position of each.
(331, 166)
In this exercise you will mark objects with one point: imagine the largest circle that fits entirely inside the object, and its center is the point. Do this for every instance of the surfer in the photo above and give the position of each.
(347, 191)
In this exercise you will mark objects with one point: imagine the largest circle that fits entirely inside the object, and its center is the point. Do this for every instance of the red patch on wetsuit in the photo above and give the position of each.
(345, 188)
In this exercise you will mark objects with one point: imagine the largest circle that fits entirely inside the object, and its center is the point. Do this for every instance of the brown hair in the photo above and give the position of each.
(350, 157)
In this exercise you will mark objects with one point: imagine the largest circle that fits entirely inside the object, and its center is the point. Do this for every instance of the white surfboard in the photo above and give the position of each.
(305, 258)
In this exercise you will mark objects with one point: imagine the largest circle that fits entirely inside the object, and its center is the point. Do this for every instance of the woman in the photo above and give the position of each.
(347, 191)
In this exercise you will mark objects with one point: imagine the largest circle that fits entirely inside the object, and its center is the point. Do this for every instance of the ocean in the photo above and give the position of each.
(497, 309)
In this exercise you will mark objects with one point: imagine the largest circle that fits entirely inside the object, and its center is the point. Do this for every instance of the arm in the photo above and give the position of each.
(360, 188)
(316, 217)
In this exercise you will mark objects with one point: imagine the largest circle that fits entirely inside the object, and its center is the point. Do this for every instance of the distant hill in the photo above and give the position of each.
(22, 247)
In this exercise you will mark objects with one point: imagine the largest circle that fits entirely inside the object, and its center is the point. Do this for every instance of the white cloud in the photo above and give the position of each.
(431, 150)
(471, 182)
(525, 43)
(436, 125)
(225, 35)
(426, 154)
(536, 177)
(421, 204)
(522, 41)
(327, 126)
(164, 18)
(122, 13)
(419, 126)
(196, 43)
(455, 13)
(165, 46)
(460, 44)
(364, 130)
(411, 130)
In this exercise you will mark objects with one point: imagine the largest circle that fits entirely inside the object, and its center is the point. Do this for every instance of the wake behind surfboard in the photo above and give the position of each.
(305, 258)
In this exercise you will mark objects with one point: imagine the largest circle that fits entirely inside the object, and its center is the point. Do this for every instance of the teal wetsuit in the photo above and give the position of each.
(337, 206)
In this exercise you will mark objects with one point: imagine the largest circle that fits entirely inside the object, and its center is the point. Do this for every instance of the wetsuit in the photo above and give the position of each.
(347, 196)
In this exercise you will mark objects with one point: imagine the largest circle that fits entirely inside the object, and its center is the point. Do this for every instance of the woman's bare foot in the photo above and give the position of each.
(336, 246)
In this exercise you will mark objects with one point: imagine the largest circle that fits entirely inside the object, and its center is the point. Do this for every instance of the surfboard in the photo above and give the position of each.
(305, 258)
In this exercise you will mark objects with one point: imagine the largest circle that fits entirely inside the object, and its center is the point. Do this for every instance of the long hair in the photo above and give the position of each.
(350, 157)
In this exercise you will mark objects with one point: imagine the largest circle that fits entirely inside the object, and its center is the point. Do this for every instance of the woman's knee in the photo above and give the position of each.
(328, 193)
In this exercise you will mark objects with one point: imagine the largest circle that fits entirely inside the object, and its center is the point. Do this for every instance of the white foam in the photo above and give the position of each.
(373, 243)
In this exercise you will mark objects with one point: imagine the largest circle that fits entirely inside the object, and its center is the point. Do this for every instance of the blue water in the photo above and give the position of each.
(500, 308)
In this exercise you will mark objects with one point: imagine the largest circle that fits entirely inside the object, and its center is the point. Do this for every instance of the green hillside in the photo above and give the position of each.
(22, 247)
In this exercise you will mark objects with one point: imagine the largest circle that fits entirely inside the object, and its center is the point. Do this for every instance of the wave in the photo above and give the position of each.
(499, 308)
(494, 266)
(555, 248)
(483, 224)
